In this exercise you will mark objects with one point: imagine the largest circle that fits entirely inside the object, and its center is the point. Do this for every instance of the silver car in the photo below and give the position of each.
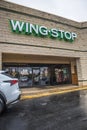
(9, 91)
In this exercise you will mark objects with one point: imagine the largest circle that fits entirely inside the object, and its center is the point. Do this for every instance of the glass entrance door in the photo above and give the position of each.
(44, 76)
(62, 74)
(36, 76)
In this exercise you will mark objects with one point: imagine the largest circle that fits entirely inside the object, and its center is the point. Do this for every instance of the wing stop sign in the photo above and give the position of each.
(41, 31)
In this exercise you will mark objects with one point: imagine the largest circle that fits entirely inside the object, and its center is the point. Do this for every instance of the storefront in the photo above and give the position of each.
(42, 49)
(39, 74)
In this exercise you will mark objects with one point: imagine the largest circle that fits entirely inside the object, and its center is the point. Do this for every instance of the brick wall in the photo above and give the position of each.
(25, 44)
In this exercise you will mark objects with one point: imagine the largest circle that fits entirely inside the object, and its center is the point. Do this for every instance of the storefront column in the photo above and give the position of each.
(74, 72)
(82, 71)
(0, 61)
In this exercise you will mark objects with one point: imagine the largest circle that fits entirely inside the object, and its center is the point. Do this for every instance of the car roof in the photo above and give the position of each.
(2, 71)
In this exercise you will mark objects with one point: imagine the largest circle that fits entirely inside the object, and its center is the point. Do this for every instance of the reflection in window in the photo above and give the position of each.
(62, 75)
(39, 75)
(44, 76)
(36, 76)
(25, 76)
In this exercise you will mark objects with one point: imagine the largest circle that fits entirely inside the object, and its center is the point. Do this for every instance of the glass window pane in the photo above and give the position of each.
(44, 76)
(25, 76)
(36, 76)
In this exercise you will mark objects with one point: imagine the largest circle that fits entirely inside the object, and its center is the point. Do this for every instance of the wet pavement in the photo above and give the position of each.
(58, 112)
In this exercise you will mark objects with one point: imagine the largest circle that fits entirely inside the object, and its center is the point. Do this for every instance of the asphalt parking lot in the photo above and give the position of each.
(57, 112)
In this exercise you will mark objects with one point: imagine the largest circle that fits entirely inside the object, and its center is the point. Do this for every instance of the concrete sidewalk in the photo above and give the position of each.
(36, 92)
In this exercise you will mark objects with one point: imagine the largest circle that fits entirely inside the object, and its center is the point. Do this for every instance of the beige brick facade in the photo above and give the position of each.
(22, 48)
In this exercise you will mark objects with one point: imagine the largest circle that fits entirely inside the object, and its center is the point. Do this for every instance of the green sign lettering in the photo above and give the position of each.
(28, 28)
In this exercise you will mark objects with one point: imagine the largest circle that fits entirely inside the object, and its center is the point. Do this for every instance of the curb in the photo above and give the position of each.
(49, 92)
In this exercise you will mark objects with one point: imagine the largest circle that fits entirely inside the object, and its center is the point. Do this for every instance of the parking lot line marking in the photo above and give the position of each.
(27, 96)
